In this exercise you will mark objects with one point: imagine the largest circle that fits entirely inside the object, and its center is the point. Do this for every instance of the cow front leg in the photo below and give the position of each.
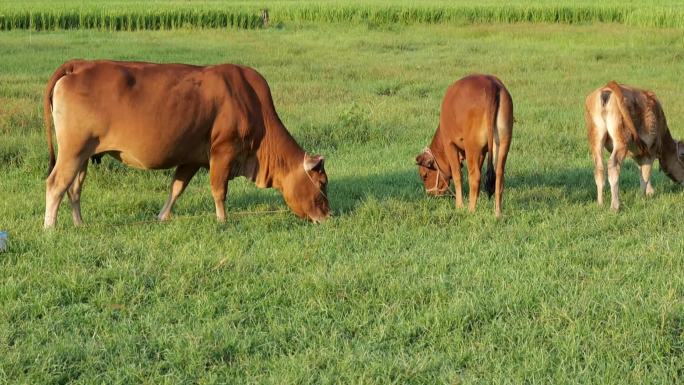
(454, 159)
(74, 193)
(614, 165)
(181, 178)
(219, 171)
(645, 166)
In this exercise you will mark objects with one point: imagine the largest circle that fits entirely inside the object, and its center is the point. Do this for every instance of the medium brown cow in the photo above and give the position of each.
(630, 121)
(156, 116)
(476, 119)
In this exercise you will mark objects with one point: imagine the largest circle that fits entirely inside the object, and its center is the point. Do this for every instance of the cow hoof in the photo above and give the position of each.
(49, 224)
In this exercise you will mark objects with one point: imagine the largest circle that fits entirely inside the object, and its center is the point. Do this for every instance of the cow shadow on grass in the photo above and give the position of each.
(531, 190)
(348, 192)
(523, 190)
(556, 187)
(526, 190)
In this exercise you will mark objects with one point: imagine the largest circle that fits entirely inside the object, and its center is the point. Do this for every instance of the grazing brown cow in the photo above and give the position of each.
(627, 120)
(155, 116)
(476, 119)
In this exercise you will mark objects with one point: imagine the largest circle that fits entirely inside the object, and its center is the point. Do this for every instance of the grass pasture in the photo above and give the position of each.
(397, 288)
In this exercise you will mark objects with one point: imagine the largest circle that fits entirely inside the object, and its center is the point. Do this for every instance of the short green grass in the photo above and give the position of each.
(397, 287)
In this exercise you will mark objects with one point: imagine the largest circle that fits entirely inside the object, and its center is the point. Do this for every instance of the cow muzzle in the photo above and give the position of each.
(319, 218)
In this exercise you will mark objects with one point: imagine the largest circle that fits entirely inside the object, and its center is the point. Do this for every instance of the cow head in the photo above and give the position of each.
(435, 182)
(305, 190)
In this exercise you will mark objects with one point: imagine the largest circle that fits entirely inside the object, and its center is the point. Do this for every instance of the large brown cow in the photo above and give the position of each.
(476, 119)
(630, 121)
(155, 116)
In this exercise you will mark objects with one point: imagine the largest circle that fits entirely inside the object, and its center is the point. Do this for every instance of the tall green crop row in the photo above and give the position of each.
(465, 14)
(129, 20)
(216, 15)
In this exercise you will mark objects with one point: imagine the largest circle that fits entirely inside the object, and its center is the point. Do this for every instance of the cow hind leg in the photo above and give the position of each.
(57, 183)
(645, 166)
(614, 164)
(181, 178)
(597, 140)
(501, 152)
(74, 193)
(474, 162)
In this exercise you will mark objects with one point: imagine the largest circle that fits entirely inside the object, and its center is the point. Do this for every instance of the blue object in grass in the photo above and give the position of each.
(3, 241)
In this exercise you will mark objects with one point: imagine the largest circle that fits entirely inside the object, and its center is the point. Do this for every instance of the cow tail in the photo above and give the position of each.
(490, 176)
(62, 71)
(627, 118)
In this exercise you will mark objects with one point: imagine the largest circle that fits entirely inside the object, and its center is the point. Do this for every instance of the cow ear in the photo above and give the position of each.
(425, 159)
(313, 163)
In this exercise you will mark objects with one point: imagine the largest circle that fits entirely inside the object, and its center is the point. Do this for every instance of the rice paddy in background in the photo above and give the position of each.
(397, 287)
(135, 15)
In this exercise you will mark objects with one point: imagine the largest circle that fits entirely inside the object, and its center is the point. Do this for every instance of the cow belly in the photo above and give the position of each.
(157, 154)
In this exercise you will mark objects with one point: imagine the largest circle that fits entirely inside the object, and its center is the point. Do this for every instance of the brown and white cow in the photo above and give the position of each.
(476, 119)
(156, 116)
(630, 121)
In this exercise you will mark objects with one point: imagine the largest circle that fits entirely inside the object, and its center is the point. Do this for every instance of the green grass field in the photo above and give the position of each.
(397, 287)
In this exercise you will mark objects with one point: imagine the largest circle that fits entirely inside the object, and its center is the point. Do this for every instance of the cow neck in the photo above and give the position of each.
(278, 155)
(669, 161)
(437, 149)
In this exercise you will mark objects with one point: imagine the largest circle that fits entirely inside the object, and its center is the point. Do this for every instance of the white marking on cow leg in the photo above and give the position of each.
(52, 201)
(645, 177)
(181, 178)
(614, 164)
(219, 172)
(74, 192)
(219, 201)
